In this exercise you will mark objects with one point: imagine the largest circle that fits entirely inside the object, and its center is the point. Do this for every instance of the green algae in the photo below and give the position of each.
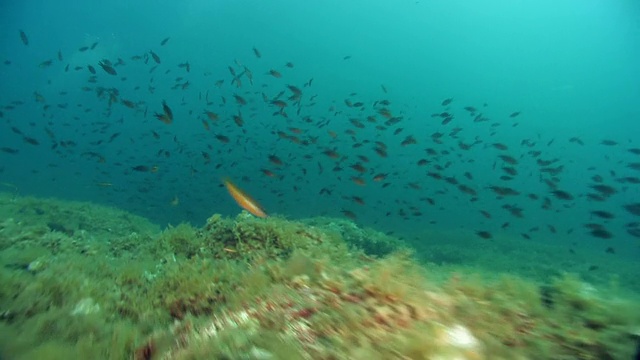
(273, 288)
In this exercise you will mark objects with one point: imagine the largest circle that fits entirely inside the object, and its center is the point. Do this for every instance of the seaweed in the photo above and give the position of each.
(245, 287)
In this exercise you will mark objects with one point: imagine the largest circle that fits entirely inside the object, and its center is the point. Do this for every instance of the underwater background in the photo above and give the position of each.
(497, 135)
(571, 72)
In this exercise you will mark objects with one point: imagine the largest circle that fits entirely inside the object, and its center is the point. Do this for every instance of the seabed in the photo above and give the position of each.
(80, 281)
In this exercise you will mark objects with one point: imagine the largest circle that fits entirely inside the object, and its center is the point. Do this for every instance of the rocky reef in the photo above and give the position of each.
(82, 281)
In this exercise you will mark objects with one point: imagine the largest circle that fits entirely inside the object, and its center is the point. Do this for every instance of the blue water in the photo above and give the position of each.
(570, 68)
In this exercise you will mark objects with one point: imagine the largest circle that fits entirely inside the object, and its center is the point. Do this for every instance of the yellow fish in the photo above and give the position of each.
(245, 201)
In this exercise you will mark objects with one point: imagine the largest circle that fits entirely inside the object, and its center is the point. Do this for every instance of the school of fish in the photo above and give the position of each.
(354, 154)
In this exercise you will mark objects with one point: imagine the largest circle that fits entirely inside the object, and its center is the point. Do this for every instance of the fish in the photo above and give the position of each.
(211, 115)
(222, 138)
(107, 67)
(243, 199)
(167, 115)
(380, 177)
(30, 140)
(601, 233)
(504, 191)
(24, 38)
(275, 160)
(141, 168)
(349, 214)
(562, 195)
(185, 66)
(9, 150)
(155, 57)
(633, 208)
(602, 214)
(164, 41)
(634, 166)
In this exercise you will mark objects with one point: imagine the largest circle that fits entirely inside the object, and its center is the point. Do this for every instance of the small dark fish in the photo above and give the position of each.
(349, 214)
(9, 150)
(593, 226)
(576, 140)
(601, 233)
(446, 102)
(24, 38)
(239, 99)
(634, 166)
(256, 52)
(107, 67)
(164, 41)
(484, 234)
(633, 208)
(508, 159)
(45, 64)
(91, 69)
(562, 195)
(31, 140)
(510, 170)
(514, 114)
(604, 190)
(275, 160)
(222, 138)
(629, 179)
(504, 191)
(167, 115)
(113, 137)
(141, 168)
(603, 214)
(186, 66)
(610, 250)
(155, 57)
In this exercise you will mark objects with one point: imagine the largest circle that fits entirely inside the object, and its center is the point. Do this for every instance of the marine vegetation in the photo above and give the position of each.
(113, 286)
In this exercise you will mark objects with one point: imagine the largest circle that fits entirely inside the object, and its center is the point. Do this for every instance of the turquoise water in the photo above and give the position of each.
(555, 84)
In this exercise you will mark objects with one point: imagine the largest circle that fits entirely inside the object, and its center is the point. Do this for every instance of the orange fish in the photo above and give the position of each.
(245, 201)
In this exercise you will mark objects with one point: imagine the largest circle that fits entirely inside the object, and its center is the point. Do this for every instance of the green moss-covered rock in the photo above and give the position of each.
(246, 287)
